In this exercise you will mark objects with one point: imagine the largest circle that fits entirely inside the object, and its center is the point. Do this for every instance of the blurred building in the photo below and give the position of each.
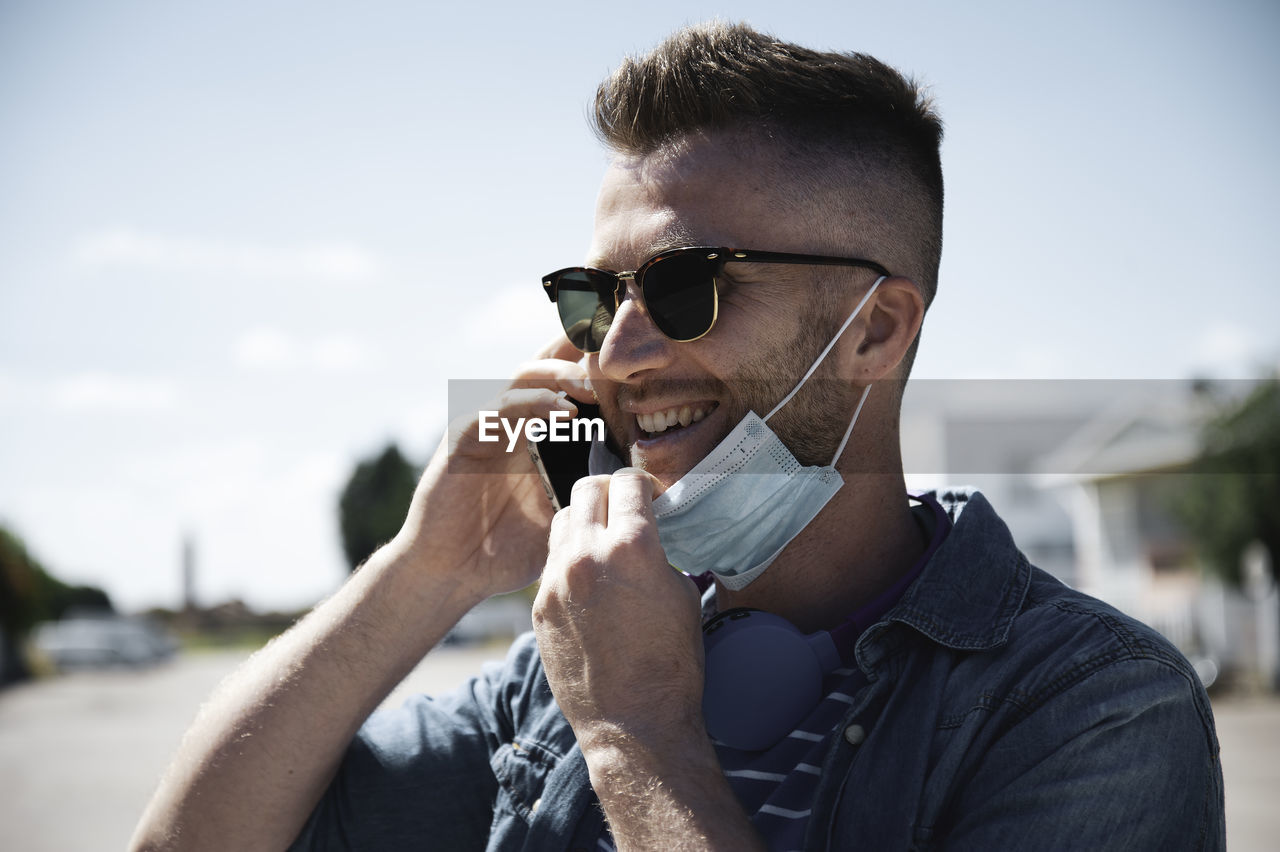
(1119, 477)
(991, 436)
(1085, 474)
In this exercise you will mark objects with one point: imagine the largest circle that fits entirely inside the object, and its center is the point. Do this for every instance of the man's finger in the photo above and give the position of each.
(631, 492)
(589, 500)
(504, 420)
(559, 529)
(567, 376)
(559, 348)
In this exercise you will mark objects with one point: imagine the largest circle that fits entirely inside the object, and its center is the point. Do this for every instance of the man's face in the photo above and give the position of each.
(770, 326)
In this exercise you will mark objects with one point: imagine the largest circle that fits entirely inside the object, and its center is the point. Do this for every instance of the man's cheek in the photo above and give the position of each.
(619, 440)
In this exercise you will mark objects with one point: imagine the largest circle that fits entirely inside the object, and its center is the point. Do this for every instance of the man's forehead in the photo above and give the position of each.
(697, 196)
(627, 241)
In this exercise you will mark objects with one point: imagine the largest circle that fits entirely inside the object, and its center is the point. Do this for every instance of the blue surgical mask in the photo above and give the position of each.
(736, 510)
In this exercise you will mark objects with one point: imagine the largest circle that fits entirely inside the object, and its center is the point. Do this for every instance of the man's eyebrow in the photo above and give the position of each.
(672, 237)
(675, 235)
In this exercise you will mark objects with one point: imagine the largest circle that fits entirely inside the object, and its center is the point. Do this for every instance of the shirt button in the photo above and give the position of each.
(537, 803)
(854, 735)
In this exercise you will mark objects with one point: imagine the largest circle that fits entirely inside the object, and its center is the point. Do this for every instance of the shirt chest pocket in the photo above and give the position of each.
(521, 769)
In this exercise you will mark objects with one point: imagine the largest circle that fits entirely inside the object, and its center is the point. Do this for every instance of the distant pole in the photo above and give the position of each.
(1260, 586)
(188, 573)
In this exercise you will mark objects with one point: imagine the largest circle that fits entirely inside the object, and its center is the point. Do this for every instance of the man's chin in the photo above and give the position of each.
(666, 479)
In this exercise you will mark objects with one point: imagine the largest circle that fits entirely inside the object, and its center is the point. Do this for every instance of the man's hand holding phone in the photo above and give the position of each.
(480, 513)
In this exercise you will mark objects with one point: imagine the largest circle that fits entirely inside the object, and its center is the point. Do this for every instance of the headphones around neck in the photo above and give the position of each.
(763, 676)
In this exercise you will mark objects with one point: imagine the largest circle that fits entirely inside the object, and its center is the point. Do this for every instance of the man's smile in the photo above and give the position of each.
(670, 436)
(678, 416)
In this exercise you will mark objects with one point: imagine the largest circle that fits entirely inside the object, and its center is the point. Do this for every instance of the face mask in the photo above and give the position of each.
(736, 510)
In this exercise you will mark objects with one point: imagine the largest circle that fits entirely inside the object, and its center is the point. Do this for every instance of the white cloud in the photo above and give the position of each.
(421, 426)
(339, 354)
(266, 348)
(1226, 349)
(8, 390)
(106, 391)
(1025, 361)
(130, 248)
(505, 330)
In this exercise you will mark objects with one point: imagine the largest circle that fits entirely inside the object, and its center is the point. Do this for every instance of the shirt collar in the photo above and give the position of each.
(968, 594)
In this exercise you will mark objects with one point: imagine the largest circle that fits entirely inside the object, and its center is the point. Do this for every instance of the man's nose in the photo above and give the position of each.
(633, 344)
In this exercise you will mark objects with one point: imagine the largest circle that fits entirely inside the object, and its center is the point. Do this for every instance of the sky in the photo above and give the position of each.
(245, 244)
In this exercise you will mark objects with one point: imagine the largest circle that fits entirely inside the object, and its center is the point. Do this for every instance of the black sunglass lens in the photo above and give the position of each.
(585, 302)
(680, 293)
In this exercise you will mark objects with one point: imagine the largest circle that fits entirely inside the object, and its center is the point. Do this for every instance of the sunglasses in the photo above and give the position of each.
(678, 287)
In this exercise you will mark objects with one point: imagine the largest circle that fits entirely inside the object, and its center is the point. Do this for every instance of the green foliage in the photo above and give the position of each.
(29, 594)
(1234, 498)
(374, 503)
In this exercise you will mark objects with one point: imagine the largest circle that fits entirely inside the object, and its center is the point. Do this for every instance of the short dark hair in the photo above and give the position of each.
(845, 121)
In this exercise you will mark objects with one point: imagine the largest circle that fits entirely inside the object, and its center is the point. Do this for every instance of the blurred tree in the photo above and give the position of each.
(374, 503)
(1234, 498)
(29, 595)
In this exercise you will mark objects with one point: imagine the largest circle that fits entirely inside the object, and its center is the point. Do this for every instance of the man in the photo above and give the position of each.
(781, 210)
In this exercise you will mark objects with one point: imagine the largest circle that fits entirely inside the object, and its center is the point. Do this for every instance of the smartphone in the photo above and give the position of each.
(562, 463)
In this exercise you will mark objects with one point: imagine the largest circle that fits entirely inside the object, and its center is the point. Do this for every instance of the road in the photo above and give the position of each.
(81, 754)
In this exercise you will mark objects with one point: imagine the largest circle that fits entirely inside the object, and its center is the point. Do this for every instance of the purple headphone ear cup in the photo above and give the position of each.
(763, 677)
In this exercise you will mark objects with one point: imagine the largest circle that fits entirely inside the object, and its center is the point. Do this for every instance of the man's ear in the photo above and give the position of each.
(893, 318)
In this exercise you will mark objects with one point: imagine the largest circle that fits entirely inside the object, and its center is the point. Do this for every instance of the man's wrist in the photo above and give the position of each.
(412, 591)
(662, 793)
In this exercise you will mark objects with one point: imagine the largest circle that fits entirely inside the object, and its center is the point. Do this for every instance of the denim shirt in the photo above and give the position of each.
(1002, 711)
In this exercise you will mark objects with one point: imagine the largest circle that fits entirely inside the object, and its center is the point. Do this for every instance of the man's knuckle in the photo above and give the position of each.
(581, 568)
(511, 399)
(628, 536)
(589, 485)
(526, 370)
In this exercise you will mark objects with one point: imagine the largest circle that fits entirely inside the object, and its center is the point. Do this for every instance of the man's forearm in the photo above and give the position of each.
(263, 749)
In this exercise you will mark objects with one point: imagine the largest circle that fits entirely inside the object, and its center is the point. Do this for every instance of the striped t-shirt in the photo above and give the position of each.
(776, 787)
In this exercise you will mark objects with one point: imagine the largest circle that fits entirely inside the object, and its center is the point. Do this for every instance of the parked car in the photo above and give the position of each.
(103, 641)
(496, 618)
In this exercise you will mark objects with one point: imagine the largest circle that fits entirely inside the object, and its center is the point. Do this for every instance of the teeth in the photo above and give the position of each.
(661, 421)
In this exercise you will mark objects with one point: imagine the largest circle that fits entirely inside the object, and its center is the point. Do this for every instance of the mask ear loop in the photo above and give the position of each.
(849, 431)
(821, 357)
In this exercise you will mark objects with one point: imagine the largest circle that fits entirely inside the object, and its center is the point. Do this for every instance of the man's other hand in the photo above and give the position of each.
(619, 629)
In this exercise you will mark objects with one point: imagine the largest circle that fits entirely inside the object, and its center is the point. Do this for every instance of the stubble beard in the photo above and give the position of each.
(813, 422)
